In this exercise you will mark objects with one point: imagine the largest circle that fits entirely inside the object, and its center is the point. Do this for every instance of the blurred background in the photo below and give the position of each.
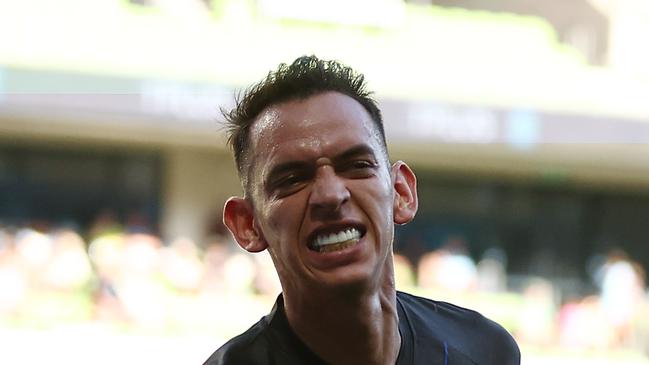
(526, 121)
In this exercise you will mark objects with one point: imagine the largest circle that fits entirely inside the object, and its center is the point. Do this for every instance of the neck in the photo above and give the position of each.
(348, 328)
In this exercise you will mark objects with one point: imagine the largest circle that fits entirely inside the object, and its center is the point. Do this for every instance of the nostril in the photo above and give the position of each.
(329, 205)
(332, 204)
(329, 191)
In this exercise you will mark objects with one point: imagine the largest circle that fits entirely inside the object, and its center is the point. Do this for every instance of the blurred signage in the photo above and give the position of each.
(78, 95)
(183, 101)
(195, 106)
(449, 124)
(522, 129)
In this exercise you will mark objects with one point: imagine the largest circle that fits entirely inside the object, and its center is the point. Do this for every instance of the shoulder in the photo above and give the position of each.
(464, 330)
(249, 347)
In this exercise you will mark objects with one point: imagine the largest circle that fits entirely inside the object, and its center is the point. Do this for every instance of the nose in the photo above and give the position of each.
(329, 192)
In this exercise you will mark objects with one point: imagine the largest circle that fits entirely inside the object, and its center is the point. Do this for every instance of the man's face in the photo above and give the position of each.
(322, 192)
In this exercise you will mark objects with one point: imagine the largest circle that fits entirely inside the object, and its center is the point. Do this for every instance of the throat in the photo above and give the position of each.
(345, 332)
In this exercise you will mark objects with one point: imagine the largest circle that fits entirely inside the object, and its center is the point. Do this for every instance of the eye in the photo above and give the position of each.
(362, 164)
(356, 169)
(289, 184)
(290, 180)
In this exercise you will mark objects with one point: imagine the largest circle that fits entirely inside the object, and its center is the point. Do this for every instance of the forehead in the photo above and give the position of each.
(320, 125)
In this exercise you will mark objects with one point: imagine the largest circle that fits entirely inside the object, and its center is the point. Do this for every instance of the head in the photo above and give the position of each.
(320, 192)
(306, 76)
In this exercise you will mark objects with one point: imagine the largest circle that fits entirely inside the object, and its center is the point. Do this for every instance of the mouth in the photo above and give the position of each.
(335, 240)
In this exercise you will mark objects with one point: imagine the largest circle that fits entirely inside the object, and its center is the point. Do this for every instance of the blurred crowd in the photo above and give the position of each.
(614, 316)
(131, 280)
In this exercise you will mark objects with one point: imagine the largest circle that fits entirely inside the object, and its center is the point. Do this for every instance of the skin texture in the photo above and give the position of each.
(318, 167)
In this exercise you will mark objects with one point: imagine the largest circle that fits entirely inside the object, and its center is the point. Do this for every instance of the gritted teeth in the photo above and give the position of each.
(337, 237)
(334, 237)
(337, 246)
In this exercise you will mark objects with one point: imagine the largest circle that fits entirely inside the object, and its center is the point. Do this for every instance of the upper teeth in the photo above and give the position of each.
(333, 238)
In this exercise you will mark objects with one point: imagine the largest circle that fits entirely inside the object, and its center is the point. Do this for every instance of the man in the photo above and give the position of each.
(321, 195)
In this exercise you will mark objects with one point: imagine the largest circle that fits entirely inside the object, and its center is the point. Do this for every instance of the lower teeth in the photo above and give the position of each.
(336, 246)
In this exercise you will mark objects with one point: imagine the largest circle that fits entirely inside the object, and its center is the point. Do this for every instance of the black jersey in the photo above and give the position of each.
(432, 333)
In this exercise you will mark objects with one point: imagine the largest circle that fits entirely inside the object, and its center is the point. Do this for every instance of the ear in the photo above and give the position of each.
(239, 217)
(405, 193)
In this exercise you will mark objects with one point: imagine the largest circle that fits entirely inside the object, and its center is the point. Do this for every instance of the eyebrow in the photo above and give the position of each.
(279, 169)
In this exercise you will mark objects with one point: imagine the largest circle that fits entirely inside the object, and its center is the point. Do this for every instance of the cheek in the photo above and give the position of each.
(384, 206)
(377, 201)
(383, 194)
(283, 218)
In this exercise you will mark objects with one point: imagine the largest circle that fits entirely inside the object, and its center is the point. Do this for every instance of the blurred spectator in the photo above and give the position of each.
(34, 250)
(217, 252)
(133, 280)
(68, 268)
(138, 222)
(105, 253)
(239, 273)
(181, 265)
(139, 285)
(106, 223)
(266, 281)
(449, 268)
(404, 273)
(428, 269)
(413, 247)
(12, 279)
(536, 318)
(49, 274)
(622, 290)
(492, 275)
(581, 325)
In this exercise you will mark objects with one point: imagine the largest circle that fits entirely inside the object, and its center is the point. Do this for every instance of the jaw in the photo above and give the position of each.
(349, 287)
(353, 270)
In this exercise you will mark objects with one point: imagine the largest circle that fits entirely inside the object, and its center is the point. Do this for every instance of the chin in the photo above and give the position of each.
(352, 281)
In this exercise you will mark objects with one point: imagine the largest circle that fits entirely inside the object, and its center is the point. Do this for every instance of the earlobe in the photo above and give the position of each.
(238, 216)
(405, 193)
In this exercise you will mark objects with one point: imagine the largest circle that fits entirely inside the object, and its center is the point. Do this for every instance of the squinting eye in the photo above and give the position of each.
(357, 169)
(290, 180)
(288, 184)
(362, 164)
(359, 165)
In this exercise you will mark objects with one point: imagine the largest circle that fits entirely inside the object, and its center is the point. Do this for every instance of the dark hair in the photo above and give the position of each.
(305, 77)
